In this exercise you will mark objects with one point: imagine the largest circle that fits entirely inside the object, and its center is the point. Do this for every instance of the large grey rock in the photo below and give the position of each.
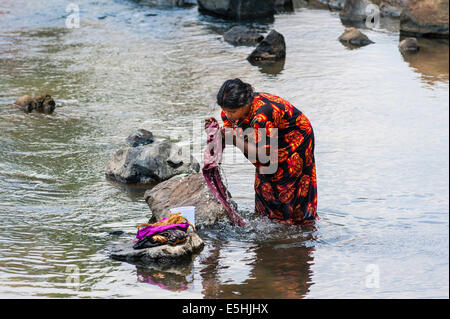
(354, 37)
(269, 50)
(182, 191)
(147, 164)
(240, 35)
(425, 18)
(238, 9)
(160, 254)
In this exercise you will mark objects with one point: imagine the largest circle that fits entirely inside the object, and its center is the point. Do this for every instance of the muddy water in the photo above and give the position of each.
(381, 123)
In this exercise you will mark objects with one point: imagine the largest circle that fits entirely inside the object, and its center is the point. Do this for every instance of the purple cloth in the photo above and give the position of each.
(212, 160)
(153, 230)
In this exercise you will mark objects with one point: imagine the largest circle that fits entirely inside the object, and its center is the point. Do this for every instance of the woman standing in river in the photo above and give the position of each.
(288, 193)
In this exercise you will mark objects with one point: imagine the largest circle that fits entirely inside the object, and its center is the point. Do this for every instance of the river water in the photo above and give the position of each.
(381, 122)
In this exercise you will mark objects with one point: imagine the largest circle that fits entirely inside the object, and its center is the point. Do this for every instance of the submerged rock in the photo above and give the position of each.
(409, 45)
(354, 37)
(425, 18)
(140, 137)
(269, 50)
(116, 233)
(238, 9)
(160, 254)
(182, 191)
(240, 35)
(148, 164)
(41, 104)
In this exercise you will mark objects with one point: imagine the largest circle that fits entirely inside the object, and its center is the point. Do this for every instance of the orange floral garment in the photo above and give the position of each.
(290, 194)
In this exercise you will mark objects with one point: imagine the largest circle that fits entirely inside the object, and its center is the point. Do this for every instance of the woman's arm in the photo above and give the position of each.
(249, 149)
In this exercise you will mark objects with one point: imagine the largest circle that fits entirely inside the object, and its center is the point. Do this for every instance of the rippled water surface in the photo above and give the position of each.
(381, 124)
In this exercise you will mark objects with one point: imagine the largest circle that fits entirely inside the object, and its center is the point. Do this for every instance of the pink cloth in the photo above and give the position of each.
(153, 230)
(212, 161)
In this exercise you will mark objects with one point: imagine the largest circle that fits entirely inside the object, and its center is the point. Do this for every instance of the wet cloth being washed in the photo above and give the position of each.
(212, 160)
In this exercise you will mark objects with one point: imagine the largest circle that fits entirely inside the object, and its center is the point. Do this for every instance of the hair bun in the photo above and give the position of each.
(235, 94)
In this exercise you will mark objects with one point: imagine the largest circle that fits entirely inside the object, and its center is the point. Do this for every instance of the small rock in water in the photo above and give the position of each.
(25, 103)
(41, 104)
(269, 50)
(117, 232)
(140, 137)
(354, 37)
(409, 45)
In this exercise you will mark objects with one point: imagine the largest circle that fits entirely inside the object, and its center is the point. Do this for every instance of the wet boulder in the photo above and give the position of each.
(328, 4)
(355, 10)
(425, 18)
(284, 6)
(269, 50)
(41, 104)
(181, 191)
(391, 8)
(161, 254)
(238, 9)
(354, 38)
(240, 35)
(409, 45)
(149, 164)
(140, 137)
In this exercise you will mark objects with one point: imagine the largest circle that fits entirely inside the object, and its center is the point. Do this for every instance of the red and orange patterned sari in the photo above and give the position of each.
(289, 195)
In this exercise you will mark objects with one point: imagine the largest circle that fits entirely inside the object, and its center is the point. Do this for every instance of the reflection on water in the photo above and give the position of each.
(274, 271)
(431, 61)
(132, 64)
(271, 68)
(172, 278)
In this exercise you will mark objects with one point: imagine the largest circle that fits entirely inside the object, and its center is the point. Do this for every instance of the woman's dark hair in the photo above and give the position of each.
(235, 94)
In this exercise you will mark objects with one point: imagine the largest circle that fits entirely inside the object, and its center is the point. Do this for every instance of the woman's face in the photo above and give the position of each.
(236, 115)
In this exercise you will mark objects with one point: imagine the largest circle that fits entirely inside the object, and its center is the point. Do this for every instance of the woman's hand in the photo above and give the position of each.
(209, 121)
(228, 136)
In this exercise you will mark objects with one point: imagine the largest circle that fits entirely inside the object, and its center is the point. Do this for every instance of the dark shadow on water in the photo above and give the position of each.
(220, 26)
(432, 60)
(278, 271)
(274, 68)
(134, 191)
(353, 47)
(278, 258)
(164, 3)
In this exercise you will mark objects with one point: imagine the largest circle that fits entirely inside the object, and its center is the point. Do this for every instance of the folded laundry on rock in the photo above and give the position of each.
(171, 230)
(168, 237)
